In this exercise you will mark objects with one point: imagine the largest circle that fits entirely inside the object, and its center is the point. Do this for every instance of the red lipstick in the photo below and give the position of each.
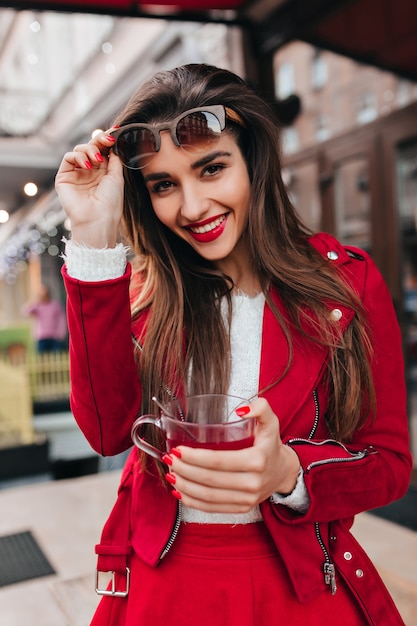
(208, 230)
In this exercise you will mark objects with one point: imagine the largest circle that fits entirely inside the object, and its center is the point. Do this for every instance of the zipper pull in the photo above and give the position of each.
(330, 577)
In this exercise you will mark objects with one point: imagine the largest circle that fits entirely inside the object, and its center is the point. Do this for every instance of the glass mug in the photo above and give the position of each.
(203, 421)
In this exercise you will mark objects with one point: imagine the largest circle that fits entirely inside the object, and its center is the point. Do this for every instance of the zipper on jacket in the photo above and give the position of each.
(357, 456)
(328, 567)
(174, 532)
(329, 570)
(178, 517)
(354, 456)
(316, 415)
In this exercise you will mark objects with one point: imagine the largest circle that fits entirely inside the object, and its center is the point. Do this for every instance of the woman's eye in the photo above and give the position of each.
(162, 186)
(213, 169)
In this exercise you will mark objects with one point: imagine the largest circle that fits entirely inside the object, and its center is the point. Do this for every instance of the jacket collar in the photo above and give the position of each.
(309, 359)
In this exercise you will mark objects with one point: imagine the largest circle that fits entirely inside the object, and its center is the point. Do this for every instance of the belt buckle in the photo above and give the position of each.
(113, 590)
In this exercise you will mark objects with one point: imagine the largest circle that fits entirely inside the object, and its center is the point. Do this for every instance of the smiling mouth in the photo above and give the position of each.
(206, 228)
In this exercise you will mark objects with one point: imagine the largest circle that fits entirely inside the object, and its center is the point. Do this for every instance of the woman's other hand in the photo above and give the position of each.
(234, 481)
(90, 186)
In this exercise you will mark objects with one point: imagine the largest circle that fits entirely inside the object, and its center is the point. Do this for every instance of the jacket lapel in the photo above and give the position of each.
(307, 364)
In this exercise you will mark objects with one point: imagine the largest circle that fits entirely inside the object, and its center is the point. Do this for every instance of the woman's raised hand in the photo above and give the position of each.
(90, 186)
(234, 481)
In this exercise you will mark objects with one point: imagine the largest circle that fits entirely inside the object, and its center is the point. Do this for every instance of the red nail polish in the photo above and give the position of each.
(109, 138)
(176, 452)
(88, 165)
(171, 478)
(99, 157)
(242, 410)
(167, 459)
(176, 494)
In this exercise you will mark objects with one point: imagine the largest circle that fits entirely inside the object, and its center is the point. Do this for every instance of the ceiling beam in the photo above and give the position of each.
(132, 9)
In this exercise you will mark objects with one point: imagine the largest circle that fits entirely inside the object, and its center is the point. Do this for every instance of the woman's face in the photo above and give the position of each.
(202, 197)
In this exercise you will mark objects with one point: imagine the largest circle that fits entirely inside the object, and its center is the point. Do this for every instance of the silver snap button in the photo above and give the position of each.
(336, 315)
(347, 556)
(332, 255)
(333, 538)
(359, 573)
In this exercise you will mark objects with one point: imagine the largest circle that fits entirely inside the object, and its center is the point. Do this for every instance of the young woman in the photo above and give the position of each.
(229, 293)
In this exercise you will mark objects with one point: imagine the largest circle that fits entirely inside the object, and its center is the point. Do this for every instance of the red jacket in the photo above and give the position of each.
(373, 471)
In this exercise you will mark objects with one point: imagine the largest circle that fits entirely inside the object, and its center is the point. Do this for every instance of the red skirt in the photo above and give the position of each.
(221, 575)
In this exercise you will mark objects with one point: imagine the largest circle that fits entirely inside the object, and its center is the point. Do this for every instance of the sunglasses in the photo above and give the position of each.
(195, 130)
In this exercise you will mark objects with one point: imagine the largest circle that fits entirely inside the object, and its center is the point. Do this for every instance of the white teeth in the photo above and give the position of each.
(199, 230)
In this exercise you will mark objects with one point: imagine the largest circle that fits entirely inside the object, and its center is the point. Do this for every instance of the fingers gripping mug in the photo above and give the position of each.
(203, 421)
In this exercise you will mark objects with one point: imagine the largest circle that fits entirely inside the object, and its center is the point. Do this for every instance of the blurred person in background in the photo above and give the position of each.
(50, 324)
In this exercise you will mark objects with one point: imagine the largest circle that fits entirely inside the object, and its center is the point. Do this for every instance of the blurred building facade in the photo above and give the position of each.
(337, 93)
(350, 161)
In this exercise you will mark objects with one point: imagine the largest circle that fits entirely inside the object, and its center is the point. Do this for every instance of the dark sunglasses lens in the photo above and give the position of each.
(136, 147)
(198, 131)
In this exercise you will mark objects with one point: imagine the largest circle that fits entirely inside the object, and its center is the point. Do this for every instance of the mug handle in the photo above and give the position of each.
(140, 442)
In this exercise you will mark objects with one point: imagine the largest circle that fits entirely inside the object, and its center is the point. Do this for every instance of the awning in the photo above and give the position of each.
(382, 33)
(129, 7)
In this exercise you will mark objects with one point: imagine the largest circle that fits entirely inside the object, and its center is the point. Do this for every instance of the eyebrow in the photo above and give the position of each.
(157, 176)
(208, 158)
(205, 160)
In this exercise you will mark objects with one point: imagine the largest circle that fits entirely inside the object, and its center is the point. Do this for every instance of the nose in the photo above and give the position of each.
(195, 203)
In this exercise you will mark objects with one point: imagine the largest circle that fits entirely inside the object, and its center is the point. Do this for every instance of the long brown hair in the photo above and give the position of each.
(183, 290)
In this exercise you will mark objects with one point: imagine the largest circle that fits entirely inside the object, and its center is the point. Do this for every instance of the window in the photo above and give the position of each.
(285, 80)
(301, 182)
(353, 202)
(290, 140)
(403, 92)
(367, 110)
(322, 131)
(318, 70)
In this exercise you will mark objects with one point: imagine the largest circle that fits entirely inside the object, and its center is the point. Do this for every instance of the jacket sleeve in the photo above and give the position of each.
(105, 388)
(374, 469)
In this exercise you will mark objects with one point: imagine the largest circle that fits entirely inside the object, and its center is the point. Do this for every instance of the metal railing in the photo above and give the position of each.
(47, 373)
(26, 378)
(15, 407)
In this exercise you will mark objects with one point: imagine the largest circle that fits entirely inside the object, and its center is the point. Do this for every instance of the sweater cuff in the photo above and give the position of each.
(298, 500)
(94, 264)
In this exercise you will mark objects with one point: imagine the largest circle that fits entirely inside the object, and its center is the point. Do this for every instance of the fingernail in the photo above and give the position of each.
(242, 410)
(176, 452)
(116, 126)
(176, 494)
(88, 165)
(167, 459)
(109, 138)
(171, 478)
(99, 157)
